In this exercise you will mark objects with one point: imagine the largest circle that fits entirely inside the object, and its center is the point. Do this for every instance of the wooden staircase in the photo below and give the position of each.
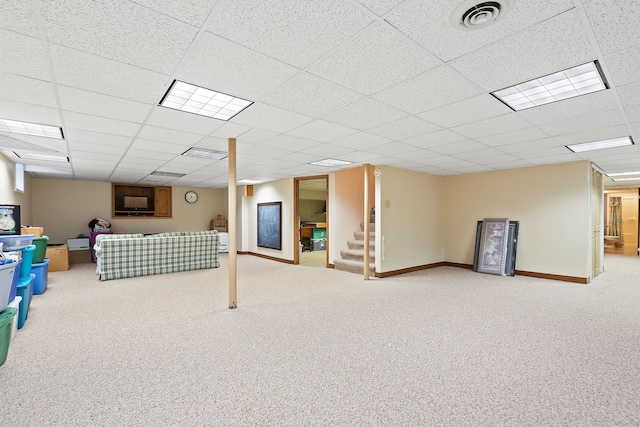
(352, 259)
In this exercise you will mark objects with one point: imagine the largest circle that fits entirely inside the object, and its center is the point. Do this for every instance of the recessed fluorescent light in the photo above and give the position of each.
(330, 162)
(249, 182)
(569, 83)
(34, 129)
(623, 173)
(205, 153)
(169, 174)
(599, 145)
(205, 102)
(627, 179)
(41, 156)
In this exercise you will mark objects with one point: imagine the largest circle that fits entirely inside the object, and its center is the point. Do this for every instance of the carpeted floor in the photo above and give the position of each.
(321, 347)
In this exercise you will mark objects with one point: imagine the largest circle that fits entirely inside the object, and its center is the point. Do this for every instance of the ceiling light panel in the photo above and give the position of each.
(623, 174)
(331, 163)
(205, 102)
(205, 153)
(168, 174)
(249, 182)
(42, 156)
(569, 83)
(599, 145)
(637, 178)
(34, 129)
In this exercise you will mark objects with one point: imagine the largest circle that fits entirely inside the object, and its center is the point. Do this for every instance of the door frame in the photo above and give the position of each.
(296, 216)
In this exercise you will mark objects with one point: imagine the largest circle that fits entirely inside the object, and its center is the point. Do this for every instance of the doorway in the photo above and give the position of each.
(621, 221)
(311, 225)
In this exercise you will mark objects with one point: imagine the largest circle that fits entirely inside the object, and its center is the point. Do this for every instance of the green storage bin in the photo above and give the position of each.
(5, 332)
(319, 233)
(41, 249)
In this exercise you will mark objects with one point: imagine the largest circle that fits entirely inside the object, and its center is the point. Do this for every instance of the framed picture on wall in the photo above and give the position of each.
(9, 219)
(492, 257)
(270, 225)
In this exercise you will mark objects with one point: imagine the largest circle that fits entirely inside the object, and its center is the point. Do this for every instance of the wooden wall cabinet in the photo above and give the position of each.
(140, 201)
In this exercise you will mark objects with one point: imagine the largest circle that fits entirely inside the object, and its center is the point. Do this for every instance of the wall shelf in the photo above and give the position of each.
(140, 201)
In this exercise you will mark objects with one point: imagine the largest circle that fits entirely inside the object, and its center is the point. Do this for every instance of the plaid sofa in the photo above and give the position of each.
(130, 255)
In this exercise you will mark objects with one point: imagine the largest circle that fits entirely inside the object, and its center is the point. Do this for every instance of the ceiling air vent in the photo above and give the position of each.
(474, 15)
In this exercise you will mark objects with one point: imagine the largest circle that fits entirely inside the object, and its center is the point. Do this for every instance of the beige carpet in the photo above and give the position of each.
(323, 347)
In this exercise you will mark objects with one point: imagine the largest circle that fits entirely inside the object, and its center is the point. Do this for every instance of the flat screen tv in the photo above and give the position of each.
(9, 219)
(136, 203)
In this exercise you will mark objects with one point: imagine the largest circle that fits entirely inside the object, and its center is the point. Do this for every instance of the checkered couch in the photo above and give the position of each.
(130, 255)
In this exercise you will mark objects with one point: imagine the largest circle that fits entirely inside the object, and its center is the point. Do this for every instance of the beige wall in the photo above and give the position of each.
(65, 207)
(345, 208)
(409, 219)
(9, 196)
(277, 191)
(551, 202)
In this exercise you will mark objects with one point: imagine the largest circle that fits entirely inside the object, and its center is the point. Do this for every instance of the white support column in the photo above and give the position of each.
(366, 221)
(233, 235)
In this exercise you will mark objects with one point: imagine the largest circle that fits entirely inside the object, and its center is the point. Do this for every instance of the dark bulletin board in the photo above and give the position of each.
(270, 225)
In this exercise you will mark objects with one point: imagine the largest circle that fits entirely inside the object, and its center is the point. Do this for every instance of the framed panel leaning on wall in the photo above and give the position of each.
(492, 257)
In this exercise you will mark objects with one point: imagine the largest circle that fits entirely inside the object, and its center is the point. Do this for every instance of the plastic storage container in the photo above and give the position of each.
(41, 271)
(27, 260)
(41, 249)
(15, 242)
(14, 284)
(25, 291)
(5, 332)
(6, 280)
(14, 323)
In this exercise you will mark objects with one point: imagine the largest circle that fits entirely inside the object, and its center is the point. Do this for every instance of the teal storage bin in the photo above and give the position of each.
(14, 284)
(41, 271)
(7, 271)
(319, 233)
(25, 291)
(41, 248)
(5, 332)
(27, 260)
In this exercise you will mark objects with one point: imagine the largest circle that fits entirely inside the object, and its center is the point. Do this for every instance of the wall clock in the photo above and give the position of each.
(191, 196)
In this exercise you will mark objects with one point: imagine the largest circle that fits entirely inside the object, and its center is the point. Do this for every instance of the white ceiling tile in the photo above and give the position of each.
(83, 136)
(149, 154)
(18, 16)
(493, 126)
(358, 65)
(182, 121)
(169, 135)
(100, 124)
(323, 131)
(556, 158)
(416, 155)
(470, 168)
(98, 149)
(481, 154)
(256, 136)
(311, 95)
(522, 147)
(490, 161)
(406, 127)
(458, 147)
(270, 118)
(92, 155)
(431, 27)
(290, 142)
(629, 94)
(360, 141)
(392, 148)
(237, 74)
(93, 73)
(593, 135)
(27, 90)
(624, 66)
(592, 121)
(260, 152)
(380, 7)
(567, 109)
(615, 153)
(284, 164)
(327, 151)
(360, 157)
(434, 88)
(120, 30)
(434, 139)
(23, 55)
(633, 113)
(551, 46)
(95, 104)
(623, 16)
(510, 164)
(162, 147)
(96, 163)
(466, 111)
(294, 32)
(230, 130)
(546, 153)
(365, 114)
(29, 113)
(520, 135)
(195, 14)
(436, 160)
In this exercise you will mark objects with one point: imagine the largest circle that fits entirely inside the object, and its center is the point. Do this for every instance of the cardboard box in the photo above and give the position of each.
(36, 231)
(79, 244)
(58, 256)
(80, 257)
(219, 224)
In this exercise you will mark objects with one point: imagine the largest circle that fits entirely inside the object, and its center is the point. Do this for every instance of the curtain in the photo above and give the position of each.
(615, 217)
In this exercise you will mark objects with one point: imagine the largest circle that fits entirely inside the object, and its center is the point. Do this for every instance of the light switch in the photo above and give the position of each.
(387, 203)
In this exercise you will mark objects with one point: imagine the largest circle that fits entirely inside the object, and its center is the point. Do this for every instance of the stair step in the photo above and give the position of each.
(372, 218)
(357, 255)
(359, 235)
(352, 266)
(372, 226)
(359, 244)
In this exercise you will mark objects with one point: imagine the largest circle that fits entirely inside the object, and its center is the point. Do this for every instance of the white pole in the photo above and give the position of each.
(233, 236)
(366, 221)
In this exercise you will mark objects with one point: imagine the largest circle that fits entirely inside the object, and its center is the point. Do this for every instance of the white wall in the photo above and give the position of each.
(9, 196)
(552, 203)
(65, 207)
(408, 219)
(345, 208)
(277, 191)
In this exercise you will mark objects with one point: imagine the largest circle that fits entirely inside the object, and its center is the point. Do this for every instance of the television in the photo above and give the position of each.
(136, 203)
(9, 220)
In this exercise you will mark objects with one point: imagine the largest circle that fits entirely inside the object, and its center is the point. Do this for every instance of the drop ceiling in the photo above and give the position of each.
(383, 82)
